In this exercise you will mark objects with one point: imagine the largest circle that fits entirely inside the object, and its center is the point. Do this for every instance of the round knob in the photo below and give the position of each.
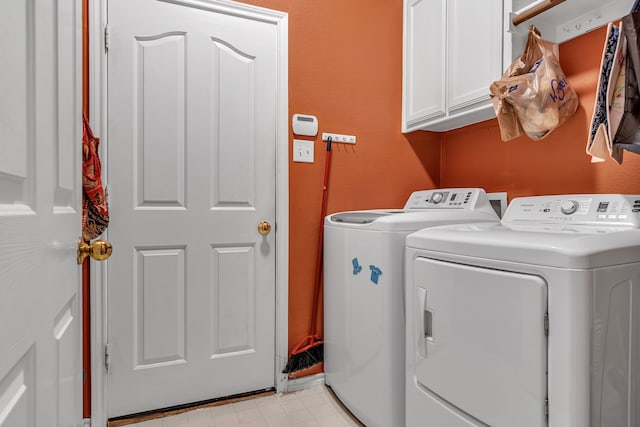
(568, 207)
(264, 228)
(98, 250)
(437, 197)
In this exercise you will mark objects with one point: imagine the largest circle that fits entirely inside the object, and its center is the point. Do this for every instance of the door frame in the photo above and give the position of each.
(97, 16)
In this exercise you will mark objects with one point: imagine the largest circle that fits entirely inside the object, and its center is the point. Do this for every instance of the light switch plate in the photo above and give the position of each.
(302, 151)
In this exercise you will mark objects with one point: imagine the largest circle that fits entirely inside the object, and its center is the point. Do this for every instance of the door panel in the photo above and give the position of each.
(16, 86)
(159, 109)
(17, 393)
(40, 206)
(234, 98)
(159, 313)
(67, 94)
(234, 297)
(65, 332)
(192, 131)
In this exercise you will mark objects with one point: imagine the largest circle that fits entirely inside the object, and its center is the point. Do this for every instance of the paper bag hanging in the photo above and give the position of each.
(95, 211)
(533, 96)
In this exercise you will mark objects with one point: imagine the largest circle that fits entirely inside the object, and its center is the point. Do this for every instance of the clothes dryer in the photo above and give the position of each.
(532, 322)
(363, 297)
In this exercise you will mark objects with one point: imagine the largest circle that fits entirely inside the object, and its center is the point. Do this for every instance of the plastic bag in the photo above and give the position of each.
(533, 96)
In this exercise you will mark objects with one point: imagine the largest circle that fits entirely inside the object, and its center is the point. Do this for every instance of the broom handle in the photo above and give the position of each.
(319, 264)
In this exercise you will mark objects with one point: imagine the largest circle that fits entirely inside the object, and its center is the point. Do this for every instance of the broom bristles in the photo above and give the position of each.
(305, 359)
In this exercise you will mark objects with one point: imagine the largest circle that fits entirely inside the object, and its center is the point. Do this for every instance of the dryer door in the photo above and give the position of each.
(481, 341)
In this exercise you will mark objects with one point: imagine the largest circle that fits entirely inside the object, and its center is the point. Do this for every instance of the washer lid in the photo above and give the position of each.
(359, 217)
(408, 221)
(553, 245)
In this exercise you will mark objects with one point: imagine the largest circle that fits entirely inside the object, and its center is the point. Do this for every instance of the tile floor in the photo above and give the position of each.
(312, 407)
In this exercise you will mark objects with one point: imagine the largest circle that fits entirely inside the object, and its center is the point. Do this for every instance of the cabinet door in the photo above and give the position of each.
(474, 47)
(424, 62)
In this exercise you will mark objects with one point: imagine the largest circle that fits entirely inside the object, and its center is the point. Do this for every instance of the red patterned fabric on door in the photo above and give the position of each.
(95, 210)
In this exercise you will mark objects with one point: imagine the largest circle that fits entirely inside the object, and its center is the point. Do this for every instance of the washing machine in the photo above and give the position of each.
(363, 297)
(531, 322)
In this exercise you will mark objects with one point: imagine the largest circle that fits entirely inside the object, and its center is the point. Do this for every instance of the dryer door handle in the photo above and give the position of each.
(427, 320)
(424, 322)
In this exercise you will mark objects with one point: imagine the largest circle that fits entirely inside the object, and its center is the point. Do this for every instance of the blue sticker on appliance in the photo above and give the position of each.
(375, 273)
(357, 268)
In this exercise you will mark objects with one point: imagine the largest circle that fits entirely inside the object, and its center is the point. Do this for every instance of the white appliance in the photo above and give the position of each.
(532, 322)
(363, 297)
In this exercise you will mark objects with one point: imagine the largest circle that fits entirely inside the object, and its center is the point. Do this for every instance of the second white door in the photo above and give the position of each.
(191, 164)
(40, 214)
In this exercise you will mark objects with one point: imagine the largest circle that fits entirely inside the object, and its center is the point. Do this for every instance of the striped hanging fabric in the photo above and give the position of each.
(95, 210)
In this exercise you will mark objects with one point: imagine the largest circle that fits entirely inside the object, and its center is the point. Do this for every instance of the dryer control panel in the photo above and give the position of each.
(448, 198)
(601, 209)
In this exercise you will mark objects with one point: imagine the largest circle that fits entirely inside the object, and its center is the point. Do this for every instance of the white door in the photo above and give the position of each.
(192, 133)
(40, 193)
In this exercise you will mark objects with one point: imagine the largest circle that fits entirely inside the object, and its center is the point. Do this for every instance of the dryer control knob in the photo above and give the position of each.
(437, 198)
(568, 207)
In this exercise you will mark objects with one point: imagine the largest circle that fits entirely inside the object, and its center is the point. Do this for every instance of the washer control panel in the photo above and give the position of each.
(461, 198)
(576, 209)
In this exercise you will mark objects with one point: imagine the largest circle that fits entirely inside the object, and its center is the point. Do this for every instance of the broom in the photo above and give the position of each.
(309, 350)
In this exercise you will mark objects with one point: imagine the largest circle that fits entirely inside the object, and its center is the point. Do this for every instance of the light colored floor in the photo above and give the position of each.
(313, 407)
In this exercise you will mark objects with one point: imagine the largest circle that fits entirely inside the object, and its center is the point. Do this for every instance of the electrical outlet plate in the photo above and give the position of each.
(302, 151)
(337, 137)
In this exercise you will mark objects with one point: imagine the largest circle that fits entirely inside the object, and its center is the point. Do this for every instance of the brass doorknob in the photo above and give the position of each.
(98, 250)
(264, 228)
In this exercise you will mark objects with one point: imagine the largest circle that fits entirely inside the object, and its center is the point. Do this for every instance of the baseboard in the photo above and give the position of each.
(86, 422)
(305, 382)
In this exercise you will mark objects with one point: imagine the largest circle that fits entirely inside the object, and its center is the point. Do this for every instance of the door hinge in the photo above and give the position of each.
(546, 409)
(107, 360)
(107, 193)
(107, 37)
(546, 324)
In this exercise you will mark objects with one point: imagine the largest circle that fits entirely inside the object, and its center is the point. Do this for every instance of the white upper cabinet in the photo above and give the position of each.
(453, 51)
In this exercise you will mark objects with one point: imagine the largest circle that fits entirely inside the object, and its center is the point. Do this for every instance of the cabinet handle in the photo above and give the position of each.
(424, 322)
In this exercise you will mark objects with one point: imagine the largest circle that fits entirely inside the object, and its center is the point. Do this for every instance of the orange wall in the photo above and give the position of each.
(345, 67)
(476, 156)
